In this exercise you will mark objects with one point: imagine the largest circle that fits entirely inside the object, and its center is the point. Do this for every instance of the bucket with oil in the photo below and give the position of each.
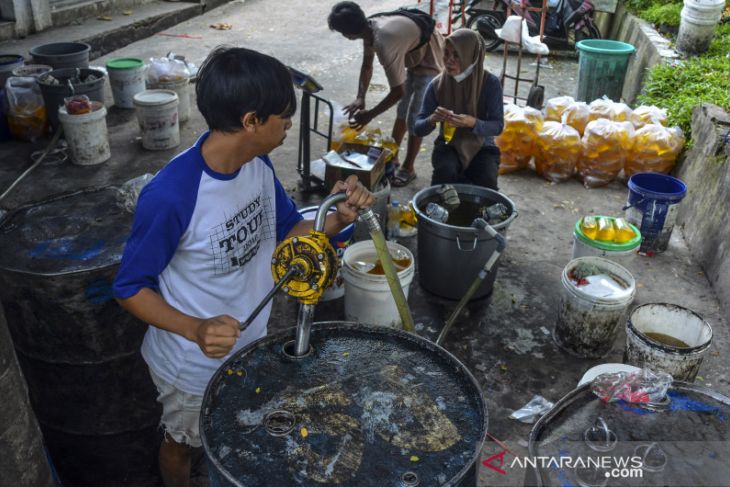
(669, 338)
(368, 298)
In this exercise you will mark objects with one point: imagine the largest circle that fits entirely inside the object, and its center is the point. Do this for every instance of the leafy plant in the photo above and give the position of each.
(679, 88)
(667, 14)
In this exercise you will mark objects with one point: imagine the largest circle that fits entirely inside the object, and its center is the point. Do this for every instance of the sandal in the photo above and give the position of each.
(402, 178)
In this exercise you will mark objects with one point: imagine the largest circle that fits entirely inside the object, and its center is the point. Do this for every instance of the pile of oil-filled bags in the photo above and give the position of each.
(595, 140)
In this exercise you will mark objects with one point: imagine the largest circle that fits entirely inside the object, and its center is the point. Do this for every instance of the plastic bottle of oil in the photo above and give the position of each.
(623, 232)
(408, 220)
(606, 231)
(589, 226)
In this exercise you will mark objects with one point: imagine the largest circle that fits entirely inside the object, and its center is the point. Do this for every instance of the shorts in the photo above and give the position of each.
(180, 413)
(410, 105)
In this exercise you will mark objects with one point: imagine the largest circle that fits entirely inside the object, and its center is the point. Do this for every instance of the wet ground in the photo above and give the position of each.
(505, 340)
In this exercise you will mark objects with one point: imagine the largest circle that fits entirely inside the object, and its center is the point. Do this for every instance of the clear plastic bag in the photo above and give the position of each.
(77, 104)
(606, 145)
(559, 148)
(165, 69)
(655, 149)
(555, 107)
(576, 115)
(517, 142)
(532, 411)
(647, 114)
(600, 108)
(129, 191)
(644, 386)
(27, 117)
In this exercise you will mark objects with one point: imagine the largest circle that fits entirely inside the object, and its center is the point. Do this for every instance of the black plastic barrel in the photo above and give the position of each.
(449, 256)
(23, 461)
(89, 82)
(61, 55)
(79, 351)
(368, 406)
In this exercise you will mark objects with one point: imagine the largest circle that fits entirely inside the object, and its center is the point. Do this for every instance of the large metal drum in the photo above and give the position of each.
(368, 406)
(78, 349)
(682, 441)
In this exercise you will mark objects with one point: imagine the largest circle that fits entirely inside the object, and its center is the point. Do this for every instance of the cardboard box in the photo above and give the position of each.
(366, 162)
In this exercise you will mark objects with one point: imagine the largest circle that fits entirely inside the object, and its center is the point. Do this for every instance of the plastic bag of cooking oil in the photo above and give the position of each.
(606, 145)
(656, 149)
(646, 114)
(559, 148)
(576, 115)
(620, 112)
(600, 108)
(27, 116)
(517, 140)
(555, 107)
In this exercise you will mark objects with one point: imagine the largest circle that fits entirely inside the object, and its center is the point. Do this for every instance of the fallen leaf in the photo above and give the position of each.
(221, 26)
(127, 12)
(104, 17)
(304, 432)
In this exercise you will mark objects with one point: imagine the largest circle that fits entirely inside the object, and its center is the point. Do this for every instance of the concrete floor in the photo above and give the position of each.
(504, 340)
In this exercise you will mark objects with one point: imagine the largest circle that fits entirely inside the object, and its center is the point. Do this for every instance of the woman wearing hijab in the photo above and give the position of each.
(468, 98)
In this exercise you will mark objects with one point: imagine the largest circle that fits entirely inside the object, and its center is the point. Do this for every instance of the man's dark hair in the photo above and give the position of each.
(233, 81)
(347, 18)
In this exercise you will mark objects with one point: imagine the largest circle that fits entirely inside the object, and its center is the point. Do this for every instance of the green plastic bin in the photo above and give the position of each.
(602, 68)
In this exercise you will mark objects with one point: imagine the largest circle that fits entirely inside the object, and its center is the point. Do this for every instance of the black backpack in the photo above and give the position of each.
(425, 22)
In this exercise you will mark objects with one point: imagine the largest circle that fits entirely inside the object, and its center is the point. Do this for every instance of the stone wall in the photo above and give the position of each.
(705, 211)
(651, 49)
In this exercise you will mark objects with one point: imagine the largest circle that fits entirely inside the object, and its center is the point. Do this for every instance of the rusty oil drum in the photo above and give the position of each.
(79, 350)
(683, 440)
(368, 406)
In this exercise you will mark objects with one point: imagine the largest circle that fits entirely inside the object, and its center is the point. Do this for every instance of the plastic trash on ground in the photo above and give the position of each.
(555, 107)
(606, 145)
(576, 115)
(648, 114)
(559, 148)
(655, 149)
(532, 411)
(517, 142)
(645, 386)
(129, 191)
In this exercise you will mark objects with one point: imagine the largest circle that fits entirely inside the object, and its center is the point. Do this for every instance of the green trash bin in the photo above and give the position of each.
(602, 68)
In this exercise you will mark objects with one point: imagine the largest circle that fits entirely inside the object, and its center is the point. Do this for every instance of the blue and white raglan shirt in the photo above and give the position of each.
(204, 241)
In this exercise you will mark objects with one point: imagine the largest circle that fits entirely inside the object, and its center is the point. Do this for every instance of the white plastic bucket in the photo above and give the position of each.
(588, 324)
(698, 21)
(182, 88)
(676, 322)
(158, 119)
(339, 243)
(623, 257)
(87, 136)
(126, 77)
(367, 297)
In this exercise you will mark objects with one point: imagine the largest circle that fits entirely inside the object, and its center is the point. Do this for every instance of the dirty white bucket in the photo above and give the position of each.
(158, 119)
(623, 253)
(339, 243)
(698, 21)
(367, 296)
(655, 352)
(126, 77)
(86, 135)
(182, 88)
(590, 315)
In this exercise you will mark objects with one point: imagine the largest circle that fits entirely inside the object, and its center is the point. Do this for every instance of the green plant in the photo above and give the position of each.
(667, 14)
(721, 42)
(679, 88)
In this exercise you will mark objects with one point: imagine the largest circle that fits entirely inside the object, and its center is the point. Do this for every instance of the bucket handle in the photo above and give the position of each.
(473, 245)
(638, 202)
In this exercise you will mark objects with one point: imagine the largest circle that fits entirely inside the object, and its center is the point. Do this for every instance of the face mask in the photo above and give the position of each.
(464, 74)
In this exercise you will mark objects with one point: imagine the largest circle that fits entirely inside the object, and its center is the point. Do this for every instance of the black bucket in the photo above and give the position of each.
(91, 85)
(450, 257)
(368, 406)
(79, 351)
(23, 462)
(61, 55)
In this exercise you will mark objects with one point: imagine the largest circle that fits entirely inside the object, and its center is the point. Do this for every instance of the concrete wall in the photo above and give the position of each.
(651, 49)
(704, 212)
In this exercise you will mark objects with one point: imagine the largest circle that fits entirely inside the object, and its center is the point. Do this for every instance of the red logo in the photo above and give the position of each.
(500, 456)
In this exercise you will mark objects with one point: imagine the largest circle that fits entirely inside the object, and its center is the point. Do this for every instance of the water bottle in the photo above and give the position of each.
(437, 212)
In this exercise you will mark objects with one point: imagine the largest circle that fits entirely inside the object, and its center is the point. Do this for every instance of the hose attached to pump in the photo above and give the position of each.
(480, 224)
(391, 275)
